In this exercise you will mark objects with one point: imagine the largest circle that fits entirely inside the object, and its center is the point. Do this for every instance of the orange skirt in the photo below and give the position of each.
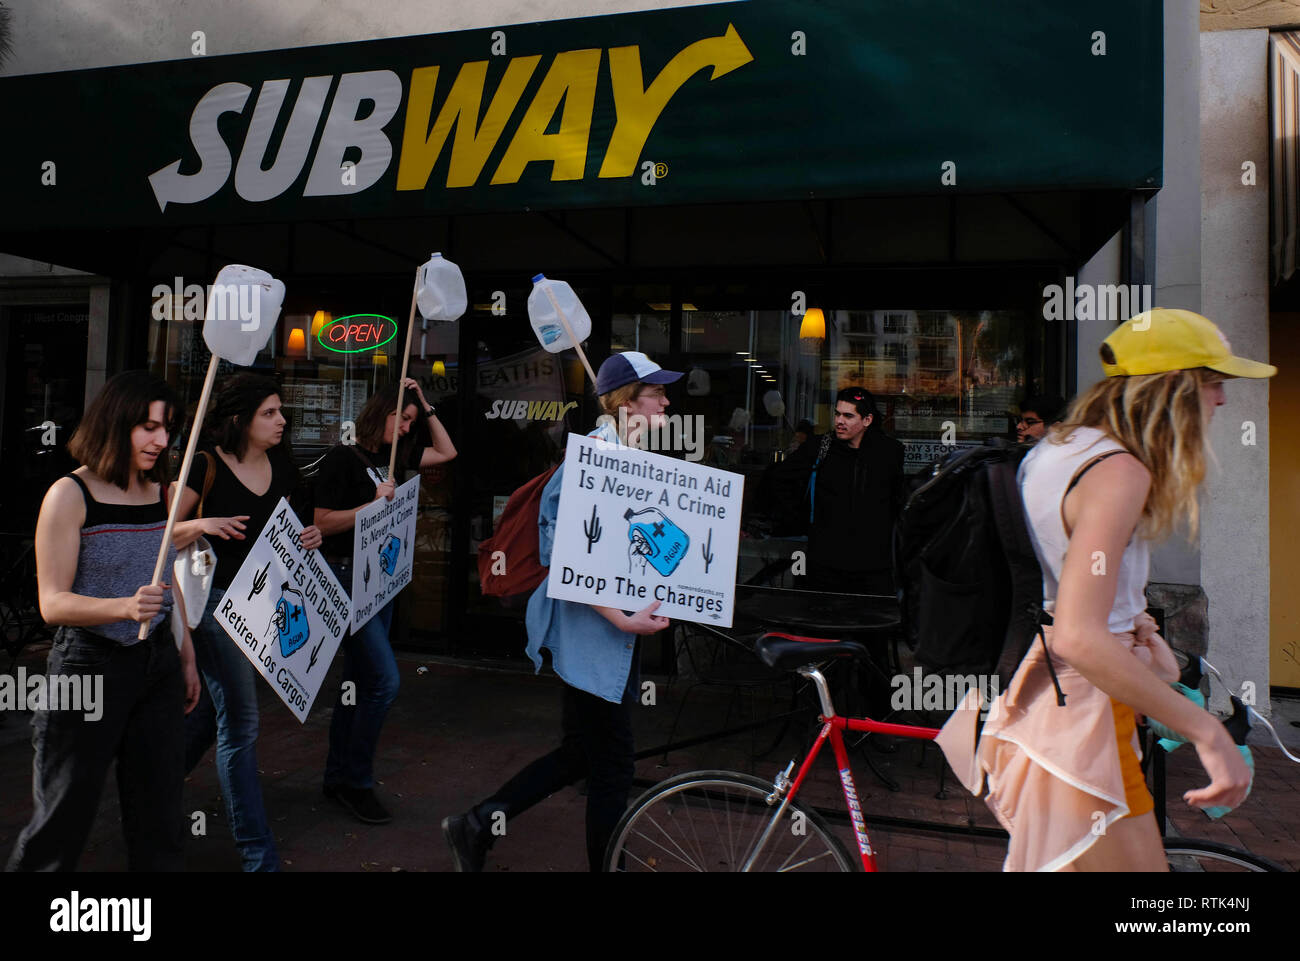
(1136, 795)
(1056, 777)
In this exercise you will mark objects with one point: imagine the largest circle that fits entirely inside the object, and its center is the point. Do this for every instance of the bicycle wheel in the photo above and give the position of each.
(1188, 855)
(713, 821)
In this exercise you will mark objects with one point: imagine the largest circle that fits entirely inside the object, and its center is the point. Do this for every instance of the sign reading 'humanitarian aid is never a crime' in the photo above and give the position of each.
(286, 611)
(636, 527)
(383, 551)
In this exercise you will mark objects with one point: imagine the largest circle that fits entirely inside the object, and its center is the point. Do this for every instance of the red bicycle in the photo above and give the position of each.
(727, 821)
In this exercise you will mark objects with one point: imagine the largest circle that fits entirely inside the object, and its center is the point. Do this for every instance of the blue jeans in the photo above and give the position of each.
(354, 730)
(142, 703)
(232, 719)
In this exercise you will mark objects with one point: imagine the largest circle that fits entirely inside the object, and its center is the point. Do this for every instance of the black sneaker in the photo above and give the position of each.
(468, 843)
(361, 803)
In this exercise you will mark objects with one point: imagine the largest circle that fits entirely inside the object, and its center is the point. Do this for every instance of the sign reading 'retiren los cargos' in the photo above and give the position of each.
(636, 527)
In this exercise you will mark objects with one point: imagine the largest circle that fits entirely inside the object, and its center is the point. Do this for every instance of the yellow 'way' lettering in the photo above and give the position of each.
(474, 142)
(572, 78)
(637, 110)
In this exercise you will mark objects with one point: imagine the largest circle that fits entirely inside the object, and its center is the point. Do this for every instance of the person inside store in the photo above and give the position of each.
(350, 477)
(595, 652)
(1037, 415)
(803, 431)
(853, 488)
(242, 469)
(98, 536)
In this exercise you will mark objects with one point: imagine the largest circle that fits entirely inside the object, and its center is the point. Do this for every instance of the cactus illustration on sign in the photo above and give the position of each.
(592, 529)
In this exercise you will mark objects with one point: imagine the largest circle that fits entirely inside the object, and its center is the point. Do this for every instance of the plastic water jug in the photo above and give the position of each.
(655, 538)
(389, 554)
(546, 296)
(243, 307)
(290, 620)
(441, 294)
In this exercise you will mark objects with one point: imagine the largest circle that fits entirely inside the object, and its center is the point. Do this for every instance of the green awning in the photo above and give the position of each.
(731, 102)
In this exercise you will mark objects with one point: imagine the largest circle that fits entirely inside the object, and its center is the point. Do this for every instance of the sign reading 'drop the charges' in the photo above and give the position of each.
(286, 611)
(383, 549)
(635, 527)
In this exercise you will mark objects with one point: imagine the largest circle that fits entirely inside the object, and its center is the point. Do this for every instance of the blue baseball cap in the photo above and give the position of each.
(630, 367)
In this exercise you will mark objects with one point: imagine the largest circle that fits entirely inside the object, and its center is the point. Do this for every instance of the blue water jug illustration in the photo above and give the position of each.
(290, 620)
(551, 333)
(655, 540)
(389, 553)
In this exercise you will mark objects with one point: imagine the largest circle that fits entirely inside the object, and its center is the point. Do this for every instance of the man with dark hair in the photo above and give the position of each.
(854, 492)
(1037, 414)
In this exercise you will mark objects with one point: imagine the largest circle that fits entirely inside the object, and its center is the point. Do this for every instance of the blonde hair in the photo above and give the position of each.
(1159, 420)
(620, 397)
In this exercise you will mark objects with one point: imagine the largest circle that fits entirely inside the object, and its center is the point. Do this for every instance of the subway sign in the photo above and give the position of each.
(437, 101)
(357, 333)
(717, 102)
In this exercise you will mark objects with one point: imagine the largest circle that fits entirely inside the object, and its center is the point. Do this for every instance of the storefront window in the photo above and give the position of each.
(525, 402)
(330, 353)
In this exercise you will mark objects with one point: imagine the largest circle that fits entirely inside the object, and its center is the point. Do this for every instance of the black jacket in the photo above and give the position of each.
(858, 494)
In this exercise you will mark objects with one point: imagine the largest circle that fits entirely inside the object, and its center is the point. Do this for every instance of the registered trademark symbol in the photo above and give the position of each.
(661, 170)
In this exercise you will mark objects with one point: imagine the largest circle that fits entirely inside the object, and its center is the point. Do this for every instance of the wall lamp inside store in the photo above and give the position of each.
(439, 369)
(297, 346)
(319, 321)
(812, 331)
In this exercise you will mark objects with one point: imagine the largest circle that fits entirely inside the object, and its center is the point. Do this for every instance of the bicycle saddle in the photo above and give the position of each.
(785, 652)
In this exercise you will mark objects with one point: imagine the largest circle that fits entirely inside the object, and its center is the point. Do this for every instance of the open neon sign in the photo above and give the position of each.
(356, 333)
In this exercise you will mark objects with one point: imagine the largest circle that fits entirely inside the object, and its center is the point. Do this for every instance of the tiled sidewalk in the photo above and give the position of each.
(456, 732)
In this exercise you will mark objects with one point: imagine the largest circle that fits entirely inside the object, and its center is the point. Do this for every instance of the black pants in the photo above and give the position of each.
(597, 744)
(141, 727)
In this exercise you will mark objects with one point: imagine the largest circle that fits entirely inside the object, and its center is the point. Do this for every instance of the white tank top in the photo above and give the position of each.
(1044, 475)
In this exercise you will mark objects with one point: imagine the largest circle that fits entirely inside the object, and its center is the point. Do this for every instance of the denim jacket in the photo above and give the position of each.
(587, 651)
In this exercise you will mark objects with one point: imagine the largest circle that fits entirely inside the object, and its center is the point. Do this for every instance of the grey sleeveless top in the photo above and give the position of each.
(119, 547)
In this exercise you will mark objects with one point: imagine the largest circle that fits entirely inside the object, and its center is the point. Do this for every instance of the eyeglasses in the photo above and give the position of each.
(1028, 421)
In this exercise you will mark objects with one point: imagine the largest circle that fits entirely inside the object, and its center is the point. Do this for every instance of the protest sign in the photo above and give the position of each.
(286, 611)
(636, 527)
(383, 549)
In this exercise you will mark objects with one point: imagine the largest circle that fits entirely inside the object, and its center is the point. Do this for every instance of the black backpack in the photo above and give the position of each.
(971, 588)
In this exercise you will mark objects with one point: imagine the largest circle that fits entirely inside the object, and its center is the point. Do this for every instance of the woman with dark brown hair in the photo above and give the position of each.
(97, 540)
(352, 476)
(248, 461)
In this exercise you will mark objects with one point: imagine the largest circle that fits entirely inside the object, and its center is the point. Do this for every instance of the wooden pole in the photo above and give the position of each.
(186, 461)
(572, 339)
(401, 382)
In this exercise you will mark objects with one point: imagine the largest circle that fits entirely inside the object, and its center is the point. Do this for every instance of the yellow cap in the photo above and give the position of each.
(1161, 340)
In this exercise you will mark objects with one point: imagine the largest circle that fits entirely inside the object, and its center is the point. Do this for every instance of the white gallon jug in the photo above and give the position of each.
(243, 307)
(441, 294)
(546, 296)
